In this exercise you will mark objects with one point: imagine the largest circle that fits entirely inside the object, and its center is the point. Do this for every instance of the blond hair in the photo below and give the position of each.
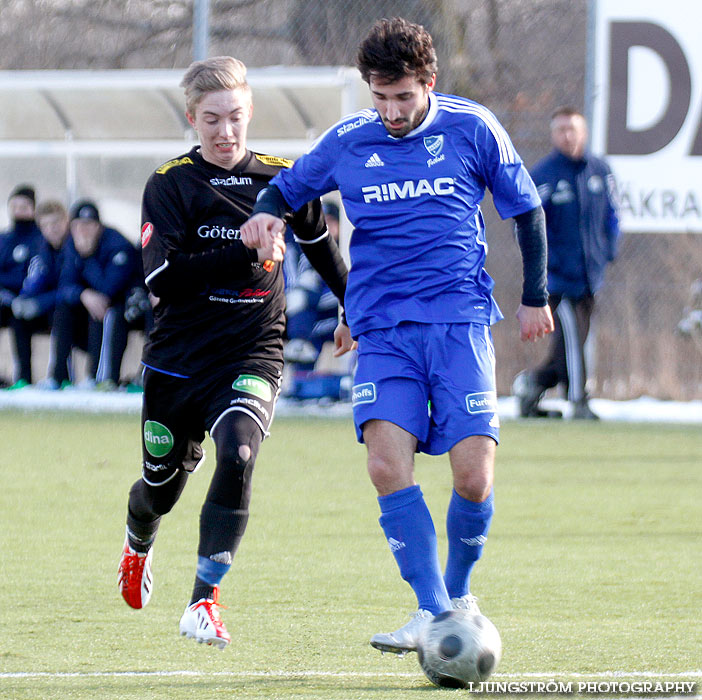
(211, 75)
(50, 206)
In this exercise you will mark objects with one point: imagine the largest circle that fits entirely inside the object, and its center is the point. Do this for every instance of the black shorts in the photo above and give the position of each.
(177, 411)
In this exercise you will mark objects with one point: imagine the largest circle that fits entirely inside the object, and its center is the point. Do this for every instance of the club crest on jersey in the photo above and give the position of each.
(434, 144)
(147, 231)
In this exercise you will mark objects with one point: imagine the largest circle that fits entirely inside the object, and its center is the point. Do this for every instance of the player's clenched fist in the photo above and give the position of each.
(274, 251)
(261, 230)
(534, 322)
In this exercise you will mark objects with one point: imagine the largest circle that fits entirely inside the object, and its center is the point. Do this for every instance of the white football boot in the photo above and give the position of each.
(467, 602)
(201, 622)
(404, 639)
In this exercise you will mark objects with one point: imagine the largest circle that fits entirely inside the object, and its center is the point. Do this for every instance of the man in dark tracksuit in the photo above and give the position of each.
(33, 307)
(38, 294)
(99, 269)
(576, 189)
(18, 246)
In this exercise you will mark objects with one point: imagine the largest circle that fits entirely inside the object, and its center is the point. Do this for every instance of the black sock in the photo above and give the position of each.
(201, 590)
(141, 535)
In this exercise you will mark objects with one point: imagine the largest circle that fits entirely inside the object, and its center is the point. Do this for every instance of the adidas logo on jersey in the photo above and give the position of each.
(374, 161)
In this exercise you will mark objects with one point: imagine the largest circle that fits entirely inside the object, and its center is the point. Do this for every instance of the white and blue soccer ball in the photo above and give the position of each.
(458, 648)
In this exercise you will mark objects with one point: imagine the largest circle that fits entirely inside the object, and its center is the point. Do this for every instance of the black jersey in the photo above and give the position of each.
(217, 305)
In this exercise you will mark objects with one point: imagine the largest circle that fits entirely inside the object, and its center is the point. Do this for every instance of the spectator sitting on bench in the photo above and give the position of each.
(98, 271)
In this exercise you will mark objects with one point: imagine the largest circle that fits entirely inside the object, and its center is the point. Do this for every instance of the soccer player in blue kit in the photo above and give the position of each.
(412, 173)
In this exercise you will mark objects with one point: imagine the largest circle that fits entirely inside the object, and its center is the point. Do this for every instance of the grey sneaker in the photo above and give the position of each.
(467, 602)
(528, 393)
(582, 411)
(404, 639)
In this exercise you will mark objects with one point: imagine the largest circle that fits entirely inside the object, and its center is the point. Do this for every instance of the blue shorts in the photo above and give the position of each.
(434, 380)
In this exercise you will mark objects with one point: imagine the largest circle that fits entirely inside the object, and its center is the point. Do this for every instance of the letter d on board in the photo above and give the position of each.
(620, 139)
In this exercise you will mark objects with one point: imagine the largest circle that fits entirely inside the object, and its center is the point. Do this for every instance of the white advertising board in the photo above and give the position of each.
(647, 110)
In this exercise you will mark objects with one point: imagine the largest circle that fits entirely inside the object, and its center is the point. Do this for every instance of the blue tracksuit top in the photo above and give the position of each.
(418, 248)
(17, 247)
(41, 282)
(581, 221)
(111, 269)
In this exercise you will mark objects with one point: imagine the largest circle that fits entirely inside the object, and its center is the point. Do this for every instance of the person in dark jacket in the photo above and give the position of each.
(99, 269)
(577, 191)
(33, 307)
(18, 245)
(38, 294)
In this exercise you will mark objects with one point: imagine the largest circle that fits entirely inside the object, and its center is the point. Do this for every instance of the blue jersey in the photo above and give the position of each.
(418, 248)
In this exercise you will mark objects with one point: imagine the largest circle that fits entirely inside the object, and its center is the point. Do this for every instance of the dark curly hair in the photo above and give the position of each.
(395, 48)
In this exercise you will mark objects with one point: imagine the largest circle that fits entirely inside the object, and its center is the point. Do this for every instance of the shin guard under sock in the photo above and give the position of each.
(141, 535)
(467, 525)
(221, 530)
(410, 532)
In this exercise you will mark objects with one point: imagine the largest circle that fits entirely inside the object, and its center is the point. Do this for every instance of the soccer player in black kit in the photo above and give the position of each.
(213, 361)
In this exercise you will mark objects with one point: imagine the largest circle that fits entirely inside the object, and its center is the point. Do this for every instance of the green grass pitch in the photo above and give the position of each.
(593, 567)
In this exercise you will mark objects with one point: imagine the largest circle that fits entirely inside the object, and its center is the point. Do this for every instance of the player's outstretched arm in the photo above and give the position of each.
(534, 322)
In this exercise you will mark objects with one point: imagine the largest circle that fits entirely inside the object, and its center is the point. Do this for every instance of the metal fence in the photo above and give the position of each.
(522, 59)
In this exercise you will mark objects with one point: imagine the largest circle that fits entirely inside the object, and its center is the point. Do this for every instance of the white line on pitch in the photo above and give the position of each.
(332, 674)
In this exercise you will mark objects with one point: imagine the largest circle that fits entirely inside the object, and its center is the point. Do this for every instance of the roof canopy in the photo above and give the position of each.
(97, 111)
(100, 134)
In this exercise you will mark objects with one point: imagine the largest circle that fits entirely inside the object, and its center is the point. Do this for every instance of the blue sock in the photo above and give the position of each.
(409, 529)
(467, 525)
